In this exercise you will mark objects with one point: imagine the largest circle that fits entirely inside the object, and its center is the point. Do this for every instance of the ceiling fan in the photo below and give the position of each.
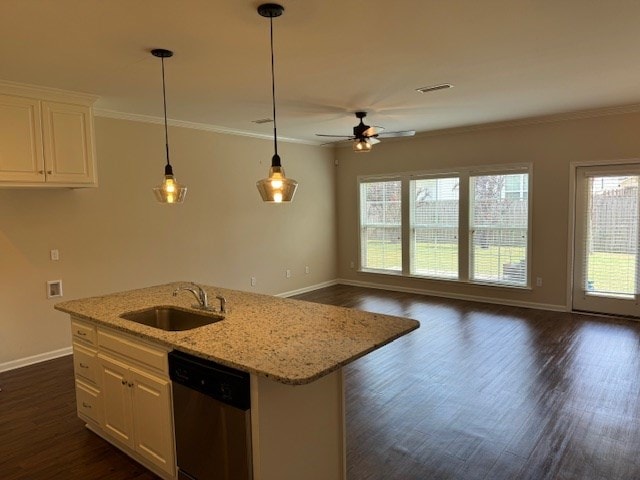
(364, 136)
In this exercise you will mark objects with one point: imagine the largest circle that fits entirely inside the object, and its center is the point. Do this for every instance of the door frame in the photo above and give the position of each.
(573, 172)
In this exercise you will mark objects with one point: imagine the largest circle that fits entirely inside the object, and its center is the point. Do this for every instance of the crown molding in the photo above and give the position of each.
(135, 117)
(47, 93)
(558, 117)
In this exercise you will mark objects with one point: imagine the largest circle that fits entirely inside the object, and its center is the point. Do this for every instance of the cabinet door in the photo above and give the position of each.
(21, 157)
(68, 143)
(117, 418)
(152, 416)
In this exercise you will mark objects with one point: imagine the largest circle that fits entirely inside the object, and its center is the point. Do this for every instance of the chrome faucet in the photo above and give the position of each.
(223, 303)
(203, 300)
(199, 293)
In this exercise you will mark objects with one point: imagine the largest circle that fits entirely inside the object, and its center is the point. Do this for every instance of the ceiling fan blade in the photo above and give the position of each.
(334, 136)
(371, 131)
(373, 140)
(404, 133)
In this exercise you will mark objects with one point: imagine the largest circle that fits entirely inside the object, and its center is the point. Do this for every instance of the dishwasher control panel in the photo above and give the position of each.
(223, 383)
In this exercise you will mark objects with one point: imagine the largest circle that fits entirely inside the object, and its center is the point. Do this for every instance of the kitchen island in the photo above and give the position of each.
(293, 350)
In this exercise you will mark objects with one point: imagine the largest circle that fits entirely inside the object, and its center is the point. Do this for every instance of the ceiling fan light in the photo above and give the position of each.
(361, 146)
(277, 188)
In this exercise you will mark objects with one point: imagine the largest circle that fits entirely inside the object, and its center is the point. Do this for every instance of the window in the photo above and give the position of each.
(467, 225)
(499, 228)
(434, 227)
(380, 225)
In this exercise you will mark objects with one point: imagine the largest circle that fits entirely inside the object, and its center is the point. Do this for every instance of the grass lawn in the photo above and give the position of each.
(612, 272)
(434, 259)
(609, 272)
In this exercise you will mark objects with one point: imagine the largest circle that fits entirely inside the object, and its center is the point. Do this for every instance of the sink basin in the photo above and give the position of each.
(171, 318)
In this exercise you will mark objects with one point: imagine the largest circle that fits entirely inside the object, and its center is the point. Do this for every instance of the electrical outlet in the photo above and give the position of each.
(288, 273)
(55, 255)
(538, 281)
(306, 269)
(54, 288)
(253, 281)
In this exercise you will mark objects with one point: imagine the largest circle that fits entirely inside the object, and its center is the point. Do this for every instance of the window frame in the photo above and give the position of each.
(465, 246)
(512, 171)
(412, 225)
(379, 179)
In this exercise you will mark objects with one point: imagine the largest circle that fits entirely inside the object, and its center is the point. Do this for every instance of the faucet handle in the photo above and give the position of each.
(223, 303)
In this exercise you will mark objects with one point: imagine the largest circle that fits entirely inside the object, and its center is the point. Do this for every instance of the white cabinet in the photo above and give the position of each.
(46, 139)
(118, 414)
(88, 392)
(68, 144)
(137, 410)
(123, 393)
(136, 399)
(21, 154)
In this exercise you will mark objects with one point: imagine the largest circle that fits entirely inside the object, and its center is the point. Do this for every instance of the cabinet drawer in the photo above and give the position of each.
(85, 362)
(83, 331)
(138, 351)
(88, 402)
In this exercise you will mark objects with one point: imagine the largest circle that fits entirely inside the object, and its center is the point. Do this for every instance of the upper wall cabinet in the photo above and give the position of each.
(46, 138)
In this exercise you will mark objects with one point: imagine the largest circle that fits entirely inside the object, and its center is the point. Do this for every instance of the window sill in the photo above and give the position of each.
(446, 280)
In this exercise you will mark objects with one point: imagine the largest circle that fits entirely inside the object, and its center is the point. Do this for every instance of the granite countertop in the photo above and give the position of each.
(289, 341)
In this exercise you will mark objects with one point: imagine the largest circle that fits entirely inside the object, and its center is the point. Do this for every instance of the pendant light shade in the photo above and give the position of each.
(277, 188)
(169, 191)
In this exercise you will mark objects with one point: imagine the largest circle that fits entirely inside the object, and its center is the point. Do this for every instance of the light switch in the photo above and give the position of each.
(55, 255)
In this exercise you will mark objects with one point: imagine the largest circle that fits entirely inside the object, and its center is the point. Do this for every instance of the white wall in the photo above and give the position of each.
(116, 237)
(550, 147)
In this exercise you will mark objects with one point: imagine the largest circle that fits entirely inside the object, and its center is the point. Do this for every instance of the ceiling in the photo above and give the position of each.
(507, 59)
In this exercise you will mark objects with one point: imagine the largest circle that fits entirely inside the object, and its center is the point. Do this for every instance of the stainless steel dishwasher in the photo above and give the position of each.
(212, 419)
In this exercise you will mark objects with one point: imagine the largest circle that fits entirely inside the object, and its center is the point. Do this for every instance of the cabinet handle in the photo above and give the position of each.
(124, 382)
(41, 172)
(49, 172)
(81, 333)
(130, 384)
(82, 365)
(86, 405)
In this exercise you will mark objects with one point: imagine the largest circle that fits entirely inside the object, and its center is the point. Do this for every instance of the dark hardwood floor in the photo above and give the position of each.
(41, 437)
(478, 392)
(492, 392)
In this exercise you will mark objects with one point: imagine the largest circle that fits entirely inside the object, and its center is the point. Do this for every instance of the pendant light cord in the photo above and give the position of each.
(276, 158)
(164, 101)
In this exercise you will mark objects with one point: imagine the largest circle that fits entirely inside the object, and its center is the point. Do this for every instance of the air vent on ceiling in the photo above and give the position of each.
(433, 88)
(262, 120)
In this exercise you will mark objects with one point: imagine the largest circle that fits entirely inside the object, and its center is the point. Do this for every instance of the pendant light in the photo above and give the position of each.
(169, 191)
(277, 188)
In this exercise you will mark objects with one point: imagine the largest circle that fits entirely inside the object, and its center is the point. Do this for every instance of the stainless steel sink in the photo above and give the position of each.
(171, 318)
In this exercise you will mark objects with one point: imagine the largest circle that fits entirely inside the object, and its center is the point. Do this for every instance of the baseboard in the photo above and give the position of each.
(41, 357)
(310, 288)
(456, 296)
